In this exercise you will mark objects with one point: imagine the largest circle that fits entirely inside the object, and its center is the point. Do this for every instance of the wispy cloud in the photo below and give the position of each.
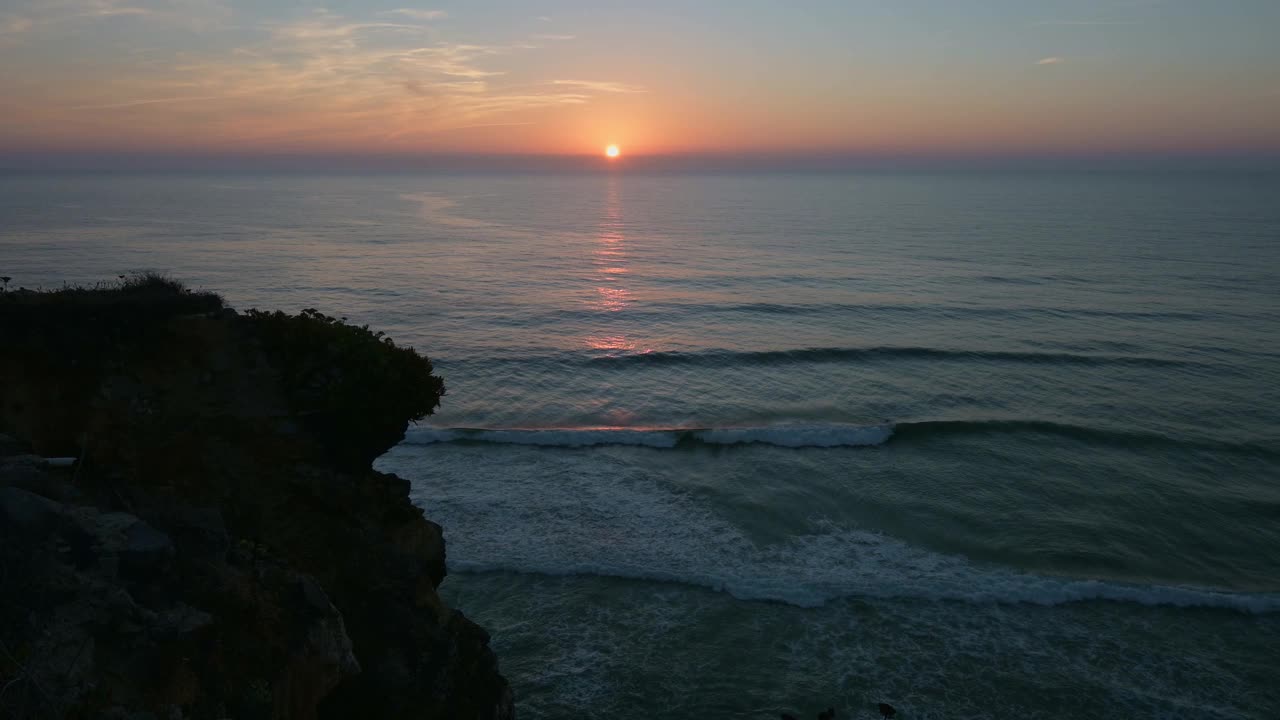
(153, 101)
(1082, 23)
(601, 86)
(329, 26)
(418, 14)
(31, 15)
(452, 60)
(1051, 61)
(379, 80)
(371, 83)
(13, 26)
(121, 10)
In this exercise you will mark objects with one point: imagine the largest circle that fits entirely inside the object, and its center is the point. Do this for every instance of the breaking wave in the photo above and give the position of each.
(828, 435)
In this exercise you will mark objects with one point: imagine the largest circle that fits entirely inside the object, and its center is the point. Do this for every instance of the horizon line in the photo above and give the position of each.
(19, 160)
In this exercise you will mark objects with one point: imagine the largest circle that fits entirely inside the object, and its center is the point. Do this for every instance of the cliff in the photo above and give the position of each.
(221, 547)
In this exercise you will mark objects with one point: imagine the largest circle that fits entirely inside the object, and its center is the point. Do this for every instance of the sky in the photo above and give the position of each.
(946, 78)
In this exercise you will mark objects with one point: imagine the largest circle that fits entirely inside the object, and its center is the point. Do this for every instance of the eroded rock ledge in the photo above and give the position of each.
(221, 547)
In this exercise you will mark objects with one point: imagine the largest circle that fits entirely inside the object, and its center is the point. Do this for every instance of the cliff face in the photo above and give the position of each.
(222, 547)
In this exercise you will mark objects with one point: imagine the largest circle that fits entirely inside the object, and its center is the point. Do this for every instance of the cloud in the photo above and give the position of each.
(1051, 61)
(417, 14)
(154, 101)
(13, 26)
(320, 80)
(545, 36)
(35, 15)
(1083, 23)
(601, 86)
(451, 60)
(328, 26)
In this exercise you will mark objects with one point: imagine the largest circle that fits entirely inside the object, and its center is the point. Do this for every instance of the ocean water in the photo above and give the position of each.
(980, 445)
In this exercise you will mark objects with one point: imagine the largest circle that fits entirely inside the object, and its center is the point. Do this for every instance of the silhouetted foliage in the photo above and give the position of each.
(355, 388)
(131, 303)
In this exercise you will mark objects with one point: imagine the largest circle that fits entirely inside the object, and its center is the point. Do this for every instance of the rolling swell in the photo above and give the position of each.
(927, 429)
(844, 354)
(668, 310)
(828, 435)
(974, 586)
(793, 436)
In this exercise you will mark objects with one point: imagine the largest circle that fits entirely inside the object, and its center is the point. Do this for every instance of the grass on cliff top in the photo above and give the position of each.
(82, 322)
(148, 294)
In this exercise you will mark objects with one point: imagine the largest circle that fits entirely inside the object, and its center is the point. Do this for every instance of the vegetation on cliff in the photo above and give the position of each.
(351, 385)
(222, 547)
(103, 312)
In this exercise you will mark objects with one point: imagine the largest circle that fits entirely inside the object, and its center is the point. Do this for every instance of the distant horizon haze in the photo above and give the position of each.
(747, 162)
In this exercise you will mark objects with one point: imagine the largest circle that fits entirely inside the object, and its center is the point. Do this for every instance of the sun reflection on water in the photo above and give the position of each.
(611, 256)
(610, 261)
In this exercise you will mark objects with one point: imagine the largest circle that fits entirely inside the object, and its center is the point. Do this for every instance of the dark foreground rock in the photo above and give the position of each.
(221, 548)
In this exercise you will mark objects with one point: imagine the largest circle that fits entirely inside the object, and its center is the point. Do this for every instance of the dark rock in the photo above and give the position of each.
(11, 446)
(313, 596)
(217, 554)
(146, 551)
(27, 513)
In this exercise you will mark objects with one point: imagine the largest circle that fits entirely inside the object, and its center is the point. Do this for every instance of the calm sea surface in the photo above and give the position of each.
(978, 445)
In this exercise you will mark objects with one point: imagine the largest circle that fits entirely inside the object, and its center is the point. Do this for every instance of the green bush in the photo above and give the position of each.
(352, 387)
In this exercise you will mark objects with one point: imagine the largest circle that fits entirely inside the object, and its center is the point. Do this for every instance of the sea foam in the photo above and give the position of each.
(569, 514)
(819, 435)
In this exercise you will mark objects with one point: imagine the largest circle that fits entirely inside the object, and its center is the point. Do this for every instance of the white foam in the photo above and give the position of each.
(886, 570)
(568, 514)
(549, 438)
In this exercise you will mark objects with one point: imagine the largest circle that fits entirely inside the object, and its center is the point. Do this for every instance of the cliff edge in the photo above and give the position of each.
(220, 547)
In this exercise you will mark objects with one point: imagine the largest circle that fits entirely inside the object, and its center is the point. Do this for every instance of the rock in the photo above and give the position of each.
(27, 513)
(313, 596)
(146, 550)
(10, 446)
(183, 620)
(218, 554)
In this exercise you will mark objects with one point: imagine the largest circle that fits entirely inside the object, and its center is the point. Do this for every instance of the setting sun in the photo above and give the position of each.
(612, 151)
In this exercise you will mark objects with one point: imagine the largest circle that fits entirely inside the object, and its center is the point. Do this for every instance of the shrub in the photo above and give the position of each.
(132, 303)
(352, 387)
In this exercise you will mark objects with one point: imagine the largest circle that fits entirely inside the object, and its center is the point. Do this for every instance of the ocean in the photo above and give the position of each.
(976, 444)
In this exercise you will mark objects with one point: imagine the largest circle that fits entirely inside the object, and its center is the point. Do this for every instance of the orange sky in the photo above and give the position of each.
(925, 77)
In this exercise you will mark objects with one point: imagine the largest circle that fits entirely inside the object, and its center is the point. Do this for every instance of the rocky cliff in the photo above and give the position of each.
(220, 547)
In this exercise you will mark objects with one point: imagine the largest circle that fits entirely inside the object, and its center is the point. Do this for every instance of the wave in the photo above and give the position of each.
(669, 309)
(565, 517)
(827, 435)
(790, 436)
(564, 514)
(844, 354)
(984, 588)
(924, 429)
(723, 357)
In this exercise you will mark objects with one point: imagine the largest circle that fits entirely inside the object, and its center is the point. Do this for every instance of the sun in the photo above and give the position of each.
(612, 151)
